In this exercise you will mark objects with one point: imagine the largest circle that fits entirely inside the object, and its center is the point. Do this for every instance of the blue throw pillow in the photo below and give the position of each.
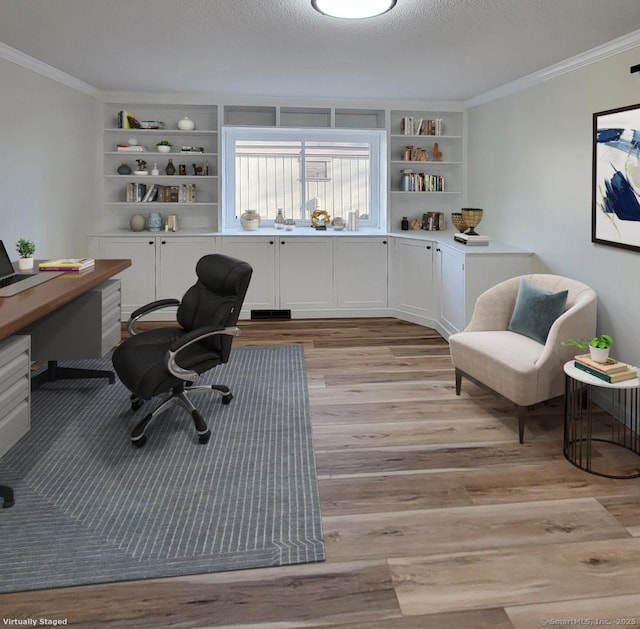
(536, 310)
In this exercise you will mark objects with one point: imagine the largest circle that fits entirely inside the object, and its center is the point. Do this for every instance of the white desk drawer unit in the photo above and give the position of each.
(15, 390)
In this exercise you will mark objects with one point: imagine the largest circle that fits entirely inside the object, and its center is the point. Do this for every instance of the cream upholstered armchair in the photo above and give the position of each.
(505, 347)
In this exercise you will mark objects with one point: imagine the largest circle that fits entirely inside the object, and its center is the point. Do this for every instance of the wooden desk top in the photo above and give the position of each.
(30, 305)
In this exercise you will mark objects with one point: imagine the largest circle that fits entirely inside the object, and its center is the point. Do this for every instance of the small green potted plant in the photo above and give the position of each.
(164, 146)
(599, 346)
(26, 249)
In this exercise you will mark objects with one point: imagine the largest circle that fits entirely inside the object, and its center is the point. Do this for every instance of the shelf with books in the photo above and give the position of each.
(434, 157)
(132, 161)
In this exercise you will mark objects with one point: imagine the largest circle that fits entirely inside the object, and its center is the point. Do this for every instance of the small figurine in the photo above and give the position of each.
(437, 153)
(416, 224)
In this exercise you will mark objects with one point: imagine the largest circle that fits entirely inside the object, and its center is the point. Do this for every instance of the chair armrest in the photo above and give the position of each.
(493, 308)
(188, 339)
(146, 309)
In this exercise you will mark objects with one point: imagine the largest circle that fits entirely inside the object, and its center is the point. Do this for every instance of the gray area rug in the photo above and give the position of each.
(92, 508)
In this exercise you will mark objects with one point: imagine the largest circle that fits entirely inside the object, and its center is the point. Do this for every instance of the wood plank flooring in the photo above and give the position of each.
(434, 515)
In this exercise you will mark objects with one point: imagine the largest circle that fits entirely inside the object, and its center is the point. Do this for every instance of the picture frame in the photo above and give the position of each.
(615, 214)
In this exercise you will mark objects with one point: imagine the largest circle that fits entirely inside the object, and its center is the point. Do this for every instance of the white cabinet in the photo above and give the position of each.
(360, 272)
(161, 266)
(306, 273)
(260, 253)
(15, 390)
(462, 275)
(452, 288)
(411, 287)
(289, 272)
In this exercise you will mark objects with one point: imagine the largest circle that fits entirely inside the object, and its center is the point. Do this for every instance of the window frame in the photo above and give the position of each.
(378, 181)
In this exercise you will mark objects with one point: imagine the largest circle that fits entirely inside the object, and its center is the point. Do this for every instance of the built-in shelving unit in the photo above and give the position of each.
(195, 150)
(437, 176)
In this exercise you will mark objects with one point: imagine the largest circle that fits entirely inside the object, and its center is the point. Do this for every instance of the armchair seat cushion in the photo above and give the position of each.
(507, 361)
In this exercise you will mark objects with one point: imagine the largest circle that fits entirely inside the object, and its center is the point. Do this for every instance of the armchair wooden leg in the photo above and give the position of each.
(458, 381)
(520, 414)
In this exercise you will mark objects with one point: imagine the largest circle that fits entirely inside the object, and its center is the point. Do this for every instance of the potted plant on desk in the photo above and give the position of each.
(26, 249)
(599, 346)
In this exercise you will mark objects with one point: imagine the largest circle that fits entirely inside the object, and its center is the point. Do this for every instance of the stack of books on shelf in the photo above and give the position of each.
(130, 148)
(67, 264)
(611, 371)
(433, 221)
(472, 239)
(421, 126)
(142, 193)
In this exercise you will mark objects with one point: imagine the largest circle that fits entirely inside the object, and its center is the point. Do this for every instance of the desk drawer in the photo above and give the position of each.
(15, 390)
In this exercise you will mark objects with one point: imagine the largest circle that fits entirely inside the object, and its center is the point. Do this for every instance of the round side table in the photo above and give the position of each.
(581, 425)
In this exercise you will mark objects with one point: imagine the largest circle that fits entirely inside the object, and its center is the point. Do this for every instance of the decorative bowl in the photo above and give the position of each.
(471, 217)
(456, 219)
(163, 148)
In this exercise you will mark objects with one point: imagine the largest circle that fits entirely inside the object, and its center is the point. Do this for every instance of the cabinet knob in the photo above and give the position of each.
(164, 242)
(282, 242)
(384, 242)
(271, 242)
(151, 242)
(428, 246)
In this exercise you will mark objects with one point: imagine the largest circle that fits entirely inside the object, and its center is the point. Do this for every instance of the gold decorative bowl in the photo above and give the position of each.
(471, 217)
(456, 219)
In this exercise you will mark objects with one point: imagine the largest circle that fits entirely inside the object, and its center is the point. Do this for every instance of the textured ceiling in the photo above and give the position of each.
(423, 49)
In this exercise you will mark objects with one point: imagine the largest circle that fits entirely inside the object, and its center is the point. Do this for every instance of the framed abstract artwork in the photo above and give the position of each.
(615, 214)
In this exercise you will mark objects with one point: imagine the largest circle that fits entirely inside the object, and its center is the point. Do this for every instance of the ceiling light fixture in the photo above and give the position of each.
(353, 9)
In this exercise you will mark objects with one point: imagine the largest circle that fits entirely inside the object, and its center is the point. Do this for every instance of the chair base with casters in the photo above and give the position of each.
(166, 362)
(6, 493)
(179, 395)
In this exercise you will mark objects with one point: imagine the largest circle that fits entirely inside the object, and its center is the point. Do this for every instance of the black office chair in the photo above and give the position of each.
(166, 361)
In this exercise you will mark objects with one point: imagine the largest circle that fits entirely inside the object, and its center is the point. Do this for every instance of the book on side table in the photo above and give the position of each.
(66, 264)
(611, 371)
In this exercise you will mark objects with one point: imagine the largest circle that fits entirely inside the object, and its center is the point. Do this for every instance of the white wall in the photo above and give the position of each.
(47, 163)
(529, 168)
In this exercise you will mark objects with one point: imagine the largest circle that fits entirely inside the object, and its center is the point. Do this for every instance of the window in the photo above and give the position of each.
(301, 170)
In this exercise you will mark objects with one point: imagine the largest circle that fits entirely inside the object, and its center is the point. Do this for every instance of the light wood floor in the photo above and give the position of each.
(434, 515)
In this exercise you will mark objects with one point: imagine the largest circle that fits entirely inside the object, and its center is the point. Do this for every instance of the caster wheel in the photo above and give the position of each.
(226, 399)
(204, 438)
(138, 443)
(136, 404)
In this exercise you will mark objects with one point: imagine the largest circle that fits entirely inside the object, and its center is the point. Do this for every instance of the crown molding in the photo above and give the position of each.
(614, 47)
(19, 58)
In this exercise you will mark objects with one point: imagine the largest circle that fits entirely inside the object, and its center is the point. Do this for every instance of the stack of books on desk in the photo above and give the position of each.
(611, 371)
(67, 264)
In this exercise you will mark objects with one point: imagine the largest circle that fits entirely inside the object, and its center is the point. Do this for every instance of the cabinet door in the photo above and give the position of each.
(452, 288)
(139, 280)
(412, 278)
(360, 272)
(306, 273)
(177, 258)
(260, 253)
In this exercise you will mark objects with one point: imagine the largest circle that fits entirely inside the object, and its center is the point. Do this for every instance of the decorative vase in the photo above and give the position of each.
(289, 224)
(137, 223)
(250, 220)
(124, 169)
(186, 124)
(25, 264)
(154, 222)
(599, 354)
(155, 171)
(278, 223)
(170, 169)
